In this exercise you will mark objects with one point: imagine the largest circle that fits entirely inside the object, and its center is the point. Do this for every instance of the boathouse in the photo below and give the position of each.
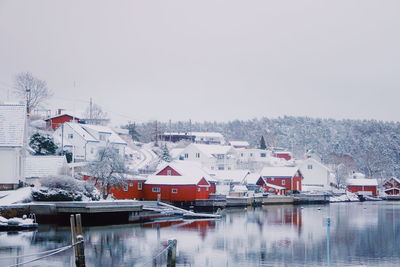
(289, 178)
(392, 186)
(362, 186)
(179, 182)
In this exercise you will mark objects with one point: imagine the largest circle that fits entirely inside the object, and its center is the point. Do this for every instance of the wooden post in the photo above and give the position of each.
(80, 258)
(77, 236)
(171, 261)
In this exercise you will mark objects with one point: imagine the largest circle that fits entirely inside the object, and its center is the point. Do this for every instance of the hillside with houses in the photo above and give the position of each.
(182, 167)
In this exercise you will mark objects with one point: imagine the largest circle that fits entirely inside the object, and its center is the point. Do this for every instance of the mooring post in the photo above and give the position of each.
(73, 232)
(171, 260)
(80, 256)
(328, 249)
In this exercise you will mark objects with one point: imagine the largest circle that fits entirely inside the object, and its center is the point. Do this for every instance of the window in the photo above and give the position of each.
(102, 137)
(241, 154)
(70, 136)
(206, 188)
(174, 191)
(263, 155)
(156, 190)
(199, 189)
(125, 187)
(221, 168)
(251, 154)
(139, 186)
(186, 155)
(197, 155)
(309, 166)
(220, 156)
(272, 179)
(92, 150)
(169, 172)
(283, 182)
(131, 184)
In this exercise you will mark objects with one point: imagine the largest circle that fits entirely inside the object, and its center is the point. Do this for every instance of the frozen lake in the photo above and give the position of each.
(360, 234)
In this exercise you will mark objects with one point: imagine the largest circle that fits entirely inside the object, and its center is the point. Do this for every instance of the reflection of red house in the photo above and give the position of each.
(362, 186)
(132, 189)
(56, 121)
(179, 181)
(392, 186)
(283, 155)
(289, 178)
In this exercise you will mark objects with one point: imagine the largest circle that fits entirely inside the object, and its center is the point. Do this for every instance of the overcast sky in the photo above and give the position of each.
(209, 59)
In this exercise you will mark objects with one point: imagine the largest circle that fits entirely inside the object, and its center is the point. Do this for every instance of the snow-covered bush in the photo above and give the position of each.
(65, 188)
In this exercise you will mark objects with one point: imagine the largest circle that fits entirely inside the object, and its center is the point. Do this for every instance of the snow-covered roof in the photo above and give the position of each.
(239, 143)
(305, 162)
(187, 168)
(173, 180)
(12, 125)
(252, 178)
(394, 178)
(175, 152)
(279, 171)
(120, 130)
(207, 134)
(79, 130)
(240, 188)
(114, 137)
(211, 150)
(61, 115)
(230, 175)
(42, 166)
(362, 182)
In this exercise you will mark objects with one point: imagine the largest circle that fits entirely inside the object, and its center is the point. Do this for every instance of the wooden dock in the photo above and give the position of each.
(277, 200)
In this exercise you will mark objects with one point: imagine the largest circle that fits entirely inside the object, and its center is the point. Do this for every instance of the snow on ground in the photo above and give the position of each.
(146, 157)
(17, 196)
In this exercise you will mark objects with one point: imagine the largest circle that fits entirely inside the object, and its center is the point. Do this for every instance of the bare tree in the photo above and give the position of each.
(94, 114)
(33, 90)
(108, 171)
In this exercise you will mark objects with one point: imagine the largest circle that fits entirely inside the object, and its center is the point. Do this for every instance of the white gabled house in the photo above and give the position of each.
(85, 140)
(213, 157)
(12, 145)
(317, 176)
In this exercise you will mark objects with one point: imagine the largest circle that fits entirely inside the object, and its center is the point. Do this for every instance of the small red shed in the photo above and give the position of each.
(179, 181)
(271, 188)
(56, 121)
(283, 155)
(392, 186)
(363, 186)
(289, 178)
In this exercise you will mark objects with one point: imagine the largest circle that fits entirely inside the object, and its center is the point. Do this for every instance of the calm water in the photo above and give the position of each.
(361, 234)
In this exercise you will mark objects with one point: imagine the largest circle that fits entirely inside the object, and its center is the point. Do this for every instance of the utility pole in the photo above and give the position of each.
(170, 131)
(90, 110)
(156, 143)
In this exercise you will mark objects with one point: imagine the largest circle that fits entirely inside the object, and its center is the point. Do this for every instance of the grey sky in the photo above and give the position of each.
(209, 60)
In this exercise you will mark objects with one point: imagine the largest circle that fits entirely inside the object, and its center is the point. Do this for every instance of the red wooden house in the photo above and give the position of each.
(179, 182)
(392, 186)
(290, 178)
(56, 121)
(363, 186)
(271, 188)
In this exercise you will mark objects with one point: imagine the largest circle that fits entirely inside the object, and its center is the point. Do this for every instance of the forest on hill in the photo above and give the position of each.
(368, 146)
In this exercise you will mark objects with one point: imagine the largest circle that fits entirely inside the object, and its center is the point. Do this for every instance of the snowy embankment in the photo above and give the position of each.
(17, 196)
(147, 157)
(347, 197)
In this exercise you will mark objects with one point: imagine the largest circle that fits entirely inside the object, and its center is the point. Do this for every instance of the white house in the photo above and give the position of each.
(213, 157)
(316, 175)
(12, 145)
(85, 140)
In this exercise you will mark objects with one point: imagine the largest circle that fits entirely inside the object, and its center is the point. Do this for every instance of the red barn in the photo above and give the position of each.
(283, 155)
(56, 121)
(179, 182)
(290, 178)
(362, 186)
(392, 186)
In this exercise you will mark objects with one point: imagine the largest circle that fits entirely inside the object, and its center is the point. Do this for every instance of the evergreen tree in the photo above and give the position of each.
(262, 143)
(165, 154)
(42, 144)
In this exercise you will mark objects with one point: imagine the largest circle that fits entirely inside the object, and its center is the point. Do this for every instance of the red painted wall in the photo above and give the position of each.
(357, 188)
(165, 171)
(132, 192)
(185, 192)
(297, 182)
(54, 123)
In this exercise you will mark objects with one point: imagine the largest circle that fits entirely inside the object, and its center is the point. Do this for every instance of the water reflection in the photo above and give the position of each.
(360, 234)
